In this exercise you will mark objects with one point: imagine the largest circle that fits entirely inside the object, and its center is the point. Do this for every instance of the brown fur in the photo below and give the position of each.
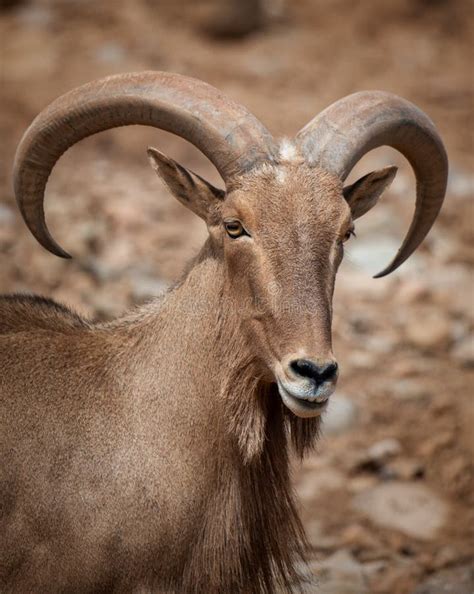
(151, 454)
(24, 313)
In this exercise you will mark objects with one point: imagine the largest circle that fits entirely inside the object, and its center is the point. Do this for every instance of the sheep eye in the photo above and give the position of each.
(234, 228)
(349, 233)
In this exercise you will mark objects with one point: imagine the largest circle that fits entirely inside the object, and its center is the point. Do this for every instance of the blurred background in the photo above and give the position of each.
(387, 499)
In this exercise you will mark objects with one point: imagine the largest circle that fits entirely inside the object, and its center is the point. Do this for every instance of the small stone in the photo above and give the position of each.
(341, 573)
(410, 367)
(374, 568)
(356, 536)
(460, 183)
(110, 53)
(381, 343)
(316, 483)
(362, 360)
(360, 323)
(371, 253)
(444, 248)
(400, 574)
(354, 281)
(362, 482)
(7, 215)
(463, 351)
(452, 287)
(318, 539)
(384, 449)
(460, 330)
(457, 468)
(428, 330)
(145, 287)
(459, 580)
(340, 416)
(406, 469)
(436, 443)
(447, 555)
(409, 389)
(409, 508)
(411, 291)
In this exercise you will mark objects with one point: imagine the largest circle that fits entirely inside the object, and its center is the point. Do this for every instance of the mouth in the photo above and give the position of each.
(302, 405)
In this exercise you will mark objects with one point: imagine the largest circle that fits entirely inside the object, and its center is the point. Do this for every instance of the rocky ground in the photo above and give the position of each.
(387, 499)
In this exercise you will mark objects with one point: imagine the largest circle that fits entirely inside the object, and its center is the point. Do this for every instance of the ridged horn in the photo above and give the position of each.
(229, 135)
(341, 134)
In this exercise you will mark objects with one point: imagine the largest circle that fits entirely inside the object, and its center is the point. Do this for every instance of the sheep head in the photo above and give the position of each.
(280, 225)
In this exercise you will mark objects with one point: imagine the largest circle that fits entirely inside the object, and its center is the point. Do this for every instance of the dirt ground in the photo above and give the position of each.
(388, 497)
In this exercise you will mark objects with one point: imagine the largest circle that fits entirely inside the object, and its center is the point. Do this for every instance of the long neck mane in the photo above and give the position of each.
(251, 539)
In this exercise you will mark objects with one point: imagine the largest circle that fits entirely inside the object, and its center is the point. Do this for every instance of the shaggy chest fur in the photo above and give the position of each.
(251, 539)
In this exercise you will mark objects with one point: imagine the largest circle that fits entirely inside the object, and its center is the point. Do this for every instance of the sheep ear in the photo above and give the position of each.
(365, 192)
(190, 189)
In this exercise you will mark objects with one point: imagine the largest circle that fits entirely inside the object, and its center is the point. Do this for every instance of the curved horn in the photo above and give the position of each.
(340, 135)
(230, 136)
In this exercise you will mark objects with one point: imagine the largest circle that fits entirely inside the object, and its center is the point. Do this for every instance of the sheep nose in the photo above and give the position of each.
(317, 372)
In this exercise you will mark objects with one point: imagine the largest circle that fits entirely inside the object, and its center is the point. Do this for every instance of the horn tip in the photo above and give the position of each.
(51, 246)
(385, 272)
(58, 251)
(65, 256)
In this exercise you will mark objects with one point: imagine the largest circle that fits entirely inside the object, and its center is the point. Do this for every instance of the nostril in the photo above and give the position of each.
(305, 368)
(328, 372)
(318, 373)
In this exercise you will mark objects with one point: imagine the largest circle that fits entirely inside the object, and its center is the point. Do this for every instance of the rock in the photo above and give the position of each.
(145, 287)
(408, 389)
(459, 580)
(374, 568)
(447, 555)
(7, 215)
(400, 574)
(361, 360)
(460, 183)
(466, 423)
(409, 508)
(444, 248)
(371, 253)
(456, 470)
(463, 351)
(406, 469)
(411, 291)
(340, 415)
(381, 343)
(340, 574)
(384, 449)
(428, 329)
(411, 367)
(356, 536)
(460, 329)
(362, 483)
(451, 287)
(318, 539)
(375, 459)
(313, 484)
(436, 443)
(361, 323)
(354, 281)
(110, 53)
